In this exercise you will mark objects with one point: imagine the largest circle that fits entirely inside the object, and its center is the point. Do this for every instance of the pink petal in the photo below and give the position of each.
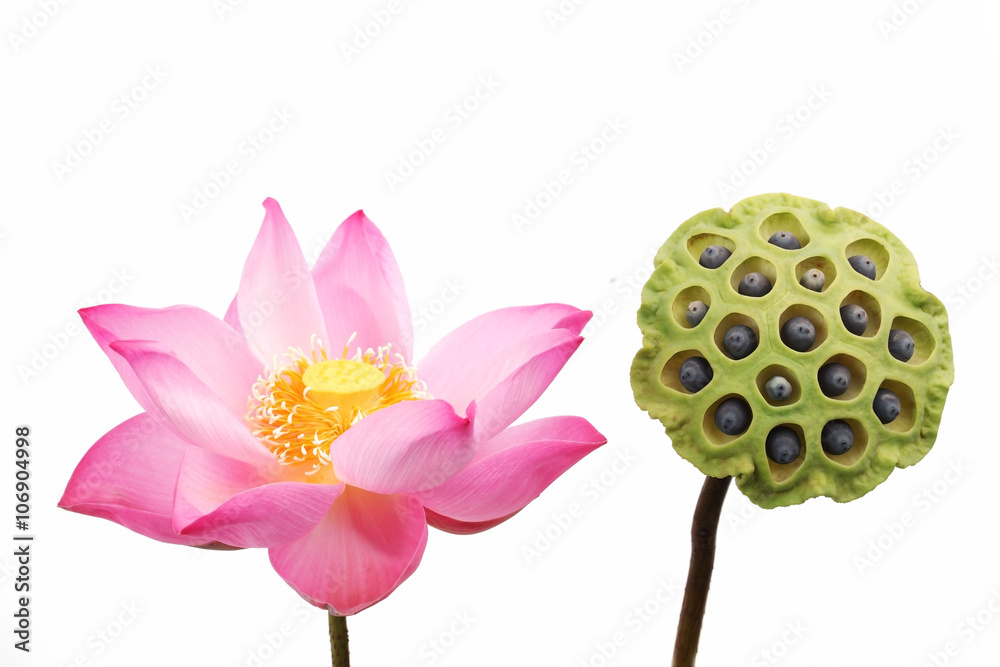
(128, 476)
(457, 527)
(216, 354)
(276, 301)
(468, 362)
(180, 399)
(544, 356)
(230, 501)
(508, 472)
(403, 448)
(232, 317)
(361, 290)
(365, 547)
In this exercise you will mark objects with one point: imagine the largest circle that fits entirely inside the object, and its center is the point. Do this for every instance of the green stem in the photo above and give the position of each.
(338, 641)
(703, 529)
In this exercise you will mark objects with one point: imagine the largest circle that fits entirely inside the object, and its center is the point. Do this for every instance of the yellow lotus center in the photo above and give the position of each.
(300, 406)
(343, 383)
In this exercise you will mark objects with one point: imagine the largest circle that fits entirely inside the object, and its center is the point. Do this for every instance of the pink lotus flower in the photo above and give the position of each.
(299, 424)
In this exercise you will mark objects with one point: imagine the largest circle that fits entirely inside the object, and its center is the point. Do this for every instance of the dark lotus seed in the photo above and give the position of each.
(733, 415)
(837, 437)
(900, 344)
(695, 373)
(782, 445)
(739, 341)
(863, 265)
(714, 256)
(778, 389)
(834, 379)
(855, 318)
(785, 240)
(754, 284)
(886, 405)
(696, 312)
(813, 279)
(798, 333)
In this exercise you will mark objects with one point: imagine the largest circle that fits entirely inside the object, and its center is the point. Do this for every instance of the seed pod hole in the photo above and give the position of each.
(870, 305)
(783, 471)
(857, 369)
(697, 244)
(754, 265)
(735, 320)
(670, 375)
(907, 410)
(815, 318)
(871, 249)
(684, 299)
(804, 269)
(783, 372)
(784, 221)
(719, 410)
(854, 454)
(923, 342)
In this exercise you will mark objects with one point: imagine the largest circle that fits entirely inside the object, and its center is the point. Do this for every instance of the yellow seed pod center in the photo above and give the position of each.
(342, 383)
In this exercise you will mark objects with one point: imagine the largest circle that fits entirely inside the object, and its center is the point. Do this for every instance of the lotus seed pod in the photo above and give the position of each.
(887, 288)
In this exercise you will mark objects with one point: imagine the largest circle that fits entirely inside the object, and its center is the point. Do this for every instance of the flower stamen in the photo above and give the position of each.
(310, 400)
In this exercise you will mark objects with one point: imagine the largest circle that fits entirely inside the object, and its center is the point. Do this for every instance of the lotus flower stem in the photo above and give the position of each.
(338, 641)
(703, 529)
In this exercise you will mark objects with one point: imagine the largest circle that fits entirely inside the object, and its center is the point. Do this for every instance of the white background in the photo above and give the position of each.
(113, 228)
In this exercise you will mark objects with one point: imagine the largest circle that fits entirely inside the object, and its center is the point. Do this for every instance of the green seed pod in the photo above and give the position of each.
(893, 300)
